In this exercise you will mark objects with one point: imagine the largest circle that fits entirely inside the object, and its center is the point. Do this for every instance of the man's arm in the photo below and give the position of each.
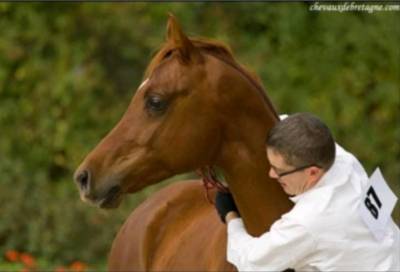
(285, 245)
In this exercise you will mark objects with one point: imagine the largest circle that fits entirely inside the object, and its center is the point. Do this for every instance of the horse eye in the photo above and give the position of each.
(156, 104)
(168, 54)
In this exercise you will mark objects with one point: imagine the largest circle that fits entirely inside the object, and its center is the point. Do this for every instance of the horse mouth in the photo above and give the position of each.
(112, 199)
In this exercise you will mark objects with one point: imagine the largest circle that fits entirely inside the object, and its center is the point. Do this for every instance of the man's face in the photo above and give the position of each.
(293, 183)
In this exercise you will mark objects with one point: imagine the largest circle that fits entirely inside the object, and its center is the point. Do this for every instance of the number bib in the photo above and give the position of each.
(377, 205)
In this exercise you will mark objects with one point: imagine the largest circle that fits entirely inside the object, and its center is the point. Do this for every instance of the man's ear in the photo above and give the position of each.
(180, 41)
(315, 173)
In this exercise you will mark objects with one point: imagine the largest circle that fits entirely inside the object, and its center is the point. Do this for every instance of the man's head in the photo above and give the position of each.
(300, 150)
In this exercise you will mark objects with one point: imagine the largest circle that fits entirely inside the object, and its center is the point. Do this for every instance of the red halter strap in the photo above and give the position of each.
(210, 181)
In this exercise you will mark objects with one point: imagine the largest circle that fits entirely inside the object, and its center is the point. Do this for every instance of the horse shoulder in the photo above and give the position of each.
(174, 229)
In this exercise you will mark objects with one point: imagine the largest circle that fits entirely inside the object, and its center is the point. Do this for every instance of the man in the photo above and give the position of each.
(324, 230)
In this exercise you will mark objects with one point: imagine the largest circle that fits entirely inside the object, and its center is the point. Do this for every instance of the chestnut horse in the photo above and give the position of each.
(197, 107)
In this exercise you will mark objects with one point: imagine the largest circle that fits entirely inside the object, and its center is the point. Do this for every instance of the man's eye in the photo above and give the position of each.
(156, 104)
(277, 171)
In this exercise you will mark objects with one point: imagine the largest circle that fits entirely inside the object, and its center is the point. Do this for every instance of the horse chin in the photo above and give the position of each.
(134, 189)
(110, 205)
(112, 199)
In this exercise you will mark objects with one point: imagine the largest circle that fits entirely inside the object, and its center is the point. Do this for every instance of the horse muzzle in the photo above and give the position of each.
(107, 198)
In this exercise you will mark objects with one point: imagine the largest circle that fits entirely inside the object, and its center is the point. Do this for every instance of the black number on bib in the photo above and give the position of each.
(371, 206)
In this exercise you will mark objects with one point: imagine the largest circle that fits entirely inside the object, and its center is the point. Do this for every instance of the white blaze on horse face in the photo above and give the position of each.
(143, 83)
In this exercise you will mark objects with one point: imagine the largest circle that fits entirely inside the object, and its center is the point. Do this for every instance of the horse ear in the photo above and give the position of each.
(179, 40)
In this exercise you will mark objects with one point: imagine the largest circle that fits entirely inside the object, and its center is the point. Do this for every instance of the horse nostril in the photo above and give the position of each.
(83, 180)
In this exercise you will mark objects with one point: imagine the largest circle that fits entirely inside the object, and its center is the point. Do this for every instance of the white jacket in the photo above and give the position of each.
(323, 232)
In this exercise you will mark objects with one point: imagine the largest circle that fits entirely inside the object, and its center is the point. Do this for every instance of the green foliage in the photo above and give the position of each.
(68, 71)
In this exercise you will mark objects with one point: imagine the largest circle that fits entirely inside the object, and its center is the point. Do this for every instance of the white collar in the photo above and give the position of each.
(335, 176)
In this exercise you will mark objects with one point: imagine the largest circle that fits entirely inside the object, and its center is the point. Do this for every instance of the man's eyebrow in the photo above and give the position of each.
(273, 166)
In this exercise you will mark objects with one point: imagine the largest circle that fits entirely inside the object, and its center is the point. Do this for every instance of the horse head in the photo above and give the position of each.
(175, 123)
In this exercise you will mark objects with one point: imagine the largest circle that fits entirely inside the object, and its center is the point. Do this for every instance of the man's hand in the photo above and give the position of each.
(225, 204)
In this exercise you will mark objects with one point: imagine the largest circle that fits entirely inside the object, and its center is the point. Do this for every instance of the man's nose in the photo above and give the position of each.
(272, 173)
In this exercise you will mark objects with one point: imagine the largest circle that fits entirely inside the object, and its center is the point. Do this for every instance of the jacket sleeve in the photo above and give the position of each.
(286, 244)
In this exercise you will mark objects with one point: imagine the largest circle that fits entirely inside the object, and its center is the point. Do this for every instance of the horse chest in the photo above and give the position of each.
(184, 233)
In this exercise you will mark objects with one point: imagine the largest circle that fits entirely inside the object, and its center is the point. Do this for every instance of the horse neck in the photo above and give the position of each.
(260, 200)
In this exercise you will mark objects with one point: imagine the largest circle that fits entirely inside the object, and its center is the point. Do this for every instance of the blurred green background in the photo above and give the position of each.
(68, 72)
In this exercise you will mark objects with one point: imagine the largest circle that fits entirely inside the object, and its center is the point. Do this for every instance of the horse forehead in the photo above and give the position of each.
(172, 74)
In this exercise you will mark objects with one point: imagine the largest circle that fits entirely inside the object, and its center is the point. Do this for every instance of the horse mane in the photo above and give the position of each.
(218, 50)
